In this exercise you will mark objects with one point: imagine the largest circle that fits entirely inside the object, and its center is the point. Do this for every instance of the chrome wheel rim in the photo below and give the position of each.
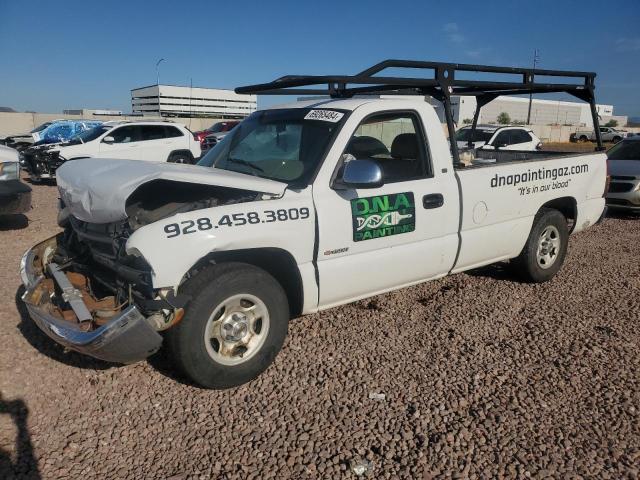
(236, 329)
(548, 247)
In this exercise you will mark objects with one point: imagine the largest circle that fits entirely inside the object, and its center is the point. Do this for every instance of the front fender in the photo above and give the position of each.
(173, 245)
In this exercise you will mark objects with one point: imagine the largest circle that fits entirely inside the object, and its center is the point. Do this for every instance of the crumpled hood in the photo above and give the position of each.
(96, 190)
(629, 168)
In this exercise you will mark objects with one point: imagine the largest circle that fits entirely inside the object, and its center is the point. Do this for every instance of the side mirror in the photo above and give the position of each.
(108, 139)
(365, 173)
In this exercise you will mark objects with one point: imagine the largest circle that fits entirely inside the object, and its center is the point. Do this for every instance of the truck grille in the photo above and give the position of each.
(209, 142)
(620, 187)
(622, 177)
(99, 249)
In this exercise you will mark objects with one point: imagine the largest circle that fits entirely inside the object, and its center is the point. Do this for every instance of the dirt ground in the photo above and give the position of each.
(472, 376)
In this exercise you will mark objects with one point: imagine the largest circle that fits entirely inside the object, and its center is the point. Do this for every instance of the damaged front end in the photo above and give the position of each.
(87, 294)
(41, 162)
(86, 291)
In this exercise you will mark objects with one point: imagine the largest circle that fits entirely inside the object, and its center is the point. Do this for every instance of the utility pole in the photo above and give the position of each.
(158, 71)
(536, 59)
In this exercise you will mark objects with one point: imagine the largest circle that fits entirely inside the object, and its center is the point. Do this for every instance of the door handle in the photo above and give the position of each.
(433, 200)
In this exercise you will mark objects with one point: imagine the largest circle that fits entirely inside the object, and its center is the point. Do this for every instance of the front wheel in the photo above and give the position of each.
(545, 250)
(233, 327)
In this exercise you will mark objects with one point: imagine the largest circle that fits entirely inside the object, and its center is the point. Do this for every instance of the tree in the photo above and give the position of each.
(611, 123)
(504, 118)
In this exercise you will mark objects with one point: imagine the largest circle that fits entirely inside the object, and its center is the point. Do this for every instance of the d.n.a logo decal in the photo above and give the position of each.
(382, 216)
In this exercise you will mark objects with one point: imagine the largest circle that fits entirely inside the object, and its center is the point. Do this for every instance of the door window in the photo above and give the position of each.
(395, 141)
(172, 132)
(126, 134)
(152, 132)
(503, 138)
(520, 136)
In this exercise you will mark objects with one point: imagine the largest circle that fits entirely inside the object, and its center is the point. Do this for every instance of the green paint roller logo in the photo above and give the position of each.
(383, 216)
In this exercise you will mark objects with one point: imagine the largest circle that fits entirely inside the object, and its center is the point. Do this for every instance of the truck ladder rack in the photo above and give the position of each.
(441, 84)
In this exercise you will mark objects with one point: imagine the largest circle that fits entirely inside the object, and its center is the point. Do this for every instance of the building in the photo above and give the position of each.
(176, 101)
(543, 112)
(90, 112)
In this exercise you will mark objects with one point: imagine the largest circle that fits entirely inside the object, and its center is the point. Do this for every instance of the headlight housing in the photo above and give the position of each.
(9, 171)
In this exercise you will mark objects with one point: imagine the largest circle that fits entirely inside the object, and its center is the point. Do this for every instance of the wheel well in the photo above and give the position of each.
(186, 152)
(277, 262)
(567, 206)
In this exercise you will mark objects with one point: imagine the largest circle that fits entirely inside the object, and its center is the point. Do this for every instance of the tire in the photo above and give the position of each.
(583, 139)
(180, 157)
(616, 139)
(208, 346)
(532, 264)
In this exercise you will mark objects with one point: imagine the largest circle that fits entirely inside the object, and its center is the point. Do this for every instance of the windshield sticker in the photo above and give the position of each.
(383, 216)
(324, 115)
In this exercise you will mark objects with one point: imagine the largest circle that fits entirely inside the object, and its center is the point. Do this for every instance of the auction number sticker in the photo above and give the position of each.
(235, 220)
(324, 115)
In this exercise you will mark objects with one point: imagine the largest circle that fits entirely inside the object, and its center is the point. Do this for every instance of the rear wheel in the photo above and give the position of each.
(616, 139)
(583, 138)
(233, 327)
(545, 250)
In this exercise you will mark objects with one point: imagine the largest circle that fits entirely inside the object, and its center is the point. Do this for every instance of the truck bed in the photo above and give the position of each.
(487, 158)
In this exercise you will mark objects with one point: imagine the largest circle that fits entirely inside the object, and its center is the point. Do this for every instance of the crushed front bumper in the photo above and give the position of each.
(126, 338)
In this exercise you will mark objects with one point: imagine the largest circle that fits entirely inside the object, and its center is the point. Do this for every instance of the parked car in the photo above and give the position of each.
(216, 132)
(624, 168)
(495, 137)
(63, 130)
(24, 140)
(15, 196)
(608, 134)
(300, 208)
(152, 141)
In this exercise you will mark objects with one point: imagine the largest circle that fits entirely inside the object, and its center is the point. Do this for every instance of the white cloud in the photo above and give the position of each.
(452, 32)
(626, 44)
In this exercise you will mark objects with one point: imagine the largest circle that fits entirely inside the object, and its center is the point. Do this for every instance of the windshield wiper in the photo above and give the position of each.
(239, 161)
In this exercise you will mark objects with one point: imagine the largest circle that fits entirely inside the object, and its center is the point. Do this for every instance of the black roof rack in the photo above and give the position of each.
(440, 85)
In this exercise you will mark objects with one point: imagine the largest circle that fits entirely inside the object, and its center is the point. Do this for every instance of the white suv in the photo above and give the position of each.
(494, 137)
(155, 141)
(152, 141)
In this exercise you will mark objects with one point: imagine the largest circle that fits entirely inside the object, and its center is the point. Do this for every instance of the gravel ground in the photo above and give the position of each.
(471, 376)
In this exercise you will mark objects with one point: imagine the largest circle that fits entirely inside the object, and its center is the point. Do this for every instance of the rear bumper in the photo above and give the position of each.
(126, 338)
(15, 197)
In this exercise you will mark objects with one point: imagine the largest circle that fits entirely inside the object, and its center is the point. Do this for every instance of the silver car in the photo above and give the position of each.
(624, 168)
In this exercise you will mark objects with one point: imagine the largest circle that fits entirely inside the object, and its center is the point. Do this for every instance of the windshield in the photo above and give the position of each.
(626, 150)
(90, 135)
(276, 144)
(216, 127)
(39, 128)
(464, 135)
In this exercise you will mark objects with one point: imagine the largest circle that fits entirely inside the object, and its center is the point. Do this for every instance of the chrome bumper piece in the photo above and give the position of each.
(126, 338)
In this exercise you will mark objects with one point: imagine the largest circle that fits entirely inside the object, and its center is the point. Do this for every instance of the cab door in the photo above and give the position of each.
(376, 239)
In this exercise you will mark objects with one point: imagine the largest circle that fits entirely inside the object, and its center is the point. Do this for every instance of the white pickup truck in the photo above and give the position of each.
(301, 208)
(608, 134)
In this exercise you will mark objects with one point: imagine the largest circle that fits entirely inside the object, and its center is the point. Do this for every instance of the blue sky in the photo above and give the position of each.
(74, 54)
